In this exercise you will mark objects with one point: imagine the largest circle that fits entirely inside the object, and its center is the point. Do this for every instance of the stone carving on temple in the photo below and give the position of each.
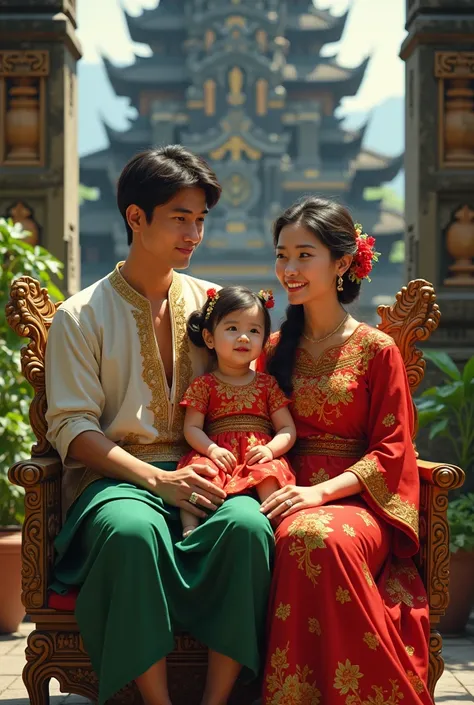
(460, 245)
(22, 106)
(23, 214)
(455, 73)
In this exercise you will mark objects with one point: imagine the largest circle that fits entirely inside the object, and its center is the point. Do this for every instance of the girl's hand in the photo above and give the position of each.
(258, 454)
(223, 458)
(289, 500)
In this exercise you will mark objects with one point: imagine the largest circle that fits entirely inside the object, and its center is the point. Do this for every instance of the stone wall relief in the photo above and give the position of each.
(23, 76)
(455, 74)
(21, 213)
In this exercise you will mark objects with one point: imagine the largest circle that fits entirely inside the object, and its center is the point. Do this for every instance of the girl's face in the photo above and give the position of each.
(238, 337)
(305, 267)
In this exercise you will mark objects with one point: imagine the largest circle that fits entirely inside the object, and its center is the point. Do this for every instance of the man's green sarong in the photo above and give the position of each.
(140, 581)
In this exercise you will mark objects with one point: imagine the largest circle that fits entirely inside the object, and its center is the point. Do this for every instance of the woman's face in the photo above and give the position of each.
(304, 265)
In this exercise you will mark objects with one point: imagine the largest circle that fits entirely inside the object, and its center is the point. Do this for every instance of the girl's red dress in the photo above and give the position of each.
(237, 418)
(348, 622)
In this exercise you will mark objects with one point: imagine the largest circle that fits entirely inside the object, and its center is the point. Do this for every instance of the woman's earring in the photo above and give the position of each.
(340, 283)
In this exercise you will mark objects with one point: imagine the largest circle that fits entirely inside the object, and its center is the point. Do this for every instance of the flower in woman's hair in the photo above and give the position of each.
(267, 297)
(365, 256)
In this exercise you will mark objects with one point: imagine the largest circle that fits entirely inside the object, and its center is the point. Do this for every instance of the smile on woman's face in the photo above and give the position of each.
(304, 265)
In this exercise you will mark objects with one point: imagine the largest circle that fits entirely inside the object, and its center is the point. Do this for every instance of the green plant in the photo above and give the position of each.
(461, 523)
(448, 409)
(17, 257)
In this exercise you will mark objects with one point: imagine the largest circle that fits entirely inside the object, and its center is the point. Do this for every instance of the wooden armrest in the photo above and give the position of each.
(34, 471)
(447, 477)
(41, 478)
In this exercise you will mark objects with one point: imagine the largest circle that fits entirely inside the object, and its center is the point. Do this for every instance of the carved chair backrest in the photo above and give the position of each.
(411, 319)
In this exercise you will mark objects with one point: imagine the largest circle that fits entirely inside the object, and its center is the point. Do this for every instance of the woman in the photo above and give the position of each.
(349, 613)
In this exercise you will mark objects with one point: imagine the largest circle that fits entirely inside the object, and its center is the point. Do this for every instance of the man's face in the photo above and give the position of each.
(175, 230)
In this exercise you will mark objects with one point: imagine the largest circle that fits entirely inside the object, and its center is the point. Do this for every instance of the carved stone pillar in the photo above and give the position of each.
(439, 162)
(39, 165)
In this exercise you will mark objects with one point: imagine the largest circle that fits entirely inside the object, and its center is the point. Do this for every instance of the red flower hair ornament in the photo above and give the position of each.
(267, 297)
(365, 256)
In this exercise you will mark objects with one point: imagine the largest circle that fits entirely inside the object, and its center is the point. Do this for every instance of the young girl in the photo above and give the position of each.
(233, 412)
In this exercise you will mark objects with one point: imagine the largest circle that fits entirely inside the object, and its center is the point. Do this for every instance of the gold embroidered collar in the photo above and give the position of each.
(132, 296)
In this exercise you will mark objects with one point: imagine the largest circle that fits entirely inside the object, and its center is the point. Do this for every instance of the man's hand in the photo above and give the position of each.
(223, 458)
(177, 486)
(258, 454)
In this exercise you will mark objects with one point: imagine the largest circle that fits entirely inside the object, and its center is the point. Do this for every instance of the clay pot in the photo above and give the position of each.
(11, 608)
(461, 593)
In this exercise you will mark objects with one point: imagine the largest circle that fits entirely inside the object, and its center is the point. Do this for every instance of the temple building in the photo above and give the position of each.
(243, 83)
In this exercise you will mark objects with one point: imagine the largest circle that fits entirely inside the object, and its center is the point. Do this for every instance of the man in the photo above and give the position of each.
(118, 362)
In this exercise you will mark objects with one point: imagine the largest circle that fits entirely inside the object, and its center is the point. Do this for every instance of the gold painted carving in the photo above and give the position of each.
(262, 96)
(209, 39)
(210, 97)
(236, 190)
(236, 82)
(235, 21)
(455, 74)
(22, 106)
(236, 146)
(460, 245)
(411, 319)
(20, 213)
(262, 40)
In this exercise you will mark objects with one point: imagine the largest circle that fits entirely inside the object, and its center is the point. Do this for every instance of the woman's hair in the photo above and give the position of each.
(224, 302)
(332, 224)
(154, 177)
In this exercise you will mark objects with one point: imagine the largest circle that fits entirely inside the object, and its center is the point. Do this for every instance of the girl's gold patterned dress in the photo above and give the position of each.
(348, 612)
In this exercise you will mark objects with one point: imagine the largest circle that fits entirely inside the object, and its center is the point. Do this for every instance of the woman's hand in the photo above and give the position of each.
(178, 486)
(290, 499)
(223, 458)
(258, 454)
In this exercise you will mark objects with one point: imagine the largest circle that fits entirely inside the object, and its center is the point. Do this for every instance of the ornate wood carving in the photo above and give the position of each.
(30, 313)
(22, 106)
(455, 74)
(411, 319)
(21, 213)
(41, 479)
(460, 245)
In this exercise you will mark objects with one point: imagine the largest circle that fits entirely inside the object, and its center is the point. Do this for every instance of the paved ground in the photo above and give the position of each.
(455, 686)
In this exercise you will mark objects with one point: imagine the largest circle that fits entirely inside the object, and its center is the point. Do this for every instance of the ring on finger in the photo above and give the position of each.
(193, 498)
(288, 503)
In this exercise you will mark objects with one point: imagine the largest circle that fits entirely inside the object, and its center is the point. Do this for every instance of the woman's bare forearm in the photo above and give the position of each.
(95, 451)
(344, 485)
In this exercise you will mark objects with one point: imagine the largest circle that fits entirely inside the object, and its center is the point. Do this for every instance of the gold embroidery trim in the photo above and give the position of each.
(339, 447)
(391, 503)
(244, 422)
(156, 452)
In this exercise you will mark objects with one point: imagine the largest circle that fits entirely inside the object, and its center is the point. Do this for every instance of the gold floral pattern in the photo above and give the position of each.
(320, 476)
(367, 470)
(398, 593)
(410, 650)
(290, 689)
(314, 626)
(342, 595)
(389, 420)
(368, 575)
(371, 640)
(348, 682)
(349, 530)
(283, 611)
(366, 518)
(310, 532)
(416, 682)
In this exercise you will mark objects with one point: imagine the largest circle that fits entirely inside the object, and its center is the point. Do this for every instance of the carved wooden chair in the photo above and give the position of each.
(55, 648)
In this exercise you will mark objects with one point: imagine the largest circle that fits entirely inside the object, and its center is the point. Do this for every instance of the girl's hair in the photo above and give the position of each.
(229, 299)
(332, 224)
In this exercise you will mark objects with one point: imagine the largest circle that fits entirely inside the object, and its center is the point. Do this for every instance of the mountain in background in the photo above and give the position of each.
(385, 133)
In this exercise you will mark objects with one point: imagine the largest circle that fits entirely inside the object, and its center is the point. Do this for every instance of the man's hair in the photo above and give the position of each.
(154, 177)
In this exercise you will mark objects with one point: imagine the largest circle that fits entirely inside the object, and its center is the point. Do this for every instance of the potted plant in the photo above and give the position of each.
(448, 411)
(16, 257)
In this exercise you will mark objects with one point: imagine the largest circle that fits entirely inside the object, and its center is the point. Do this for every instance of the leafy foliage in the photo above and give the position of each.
(17, 258)
(461, 523)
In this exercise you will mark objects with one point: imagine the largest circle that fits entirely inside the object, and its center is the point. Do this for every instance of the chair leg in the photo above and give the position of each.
(37, 684)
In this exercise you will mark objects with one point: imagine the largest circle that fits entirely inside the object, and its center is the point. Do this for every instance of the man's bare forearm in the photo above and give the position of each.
(97, 452)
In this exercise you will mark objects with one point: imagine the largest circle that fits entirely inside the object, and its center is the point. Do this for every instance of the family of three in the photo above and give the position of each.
(257, 490)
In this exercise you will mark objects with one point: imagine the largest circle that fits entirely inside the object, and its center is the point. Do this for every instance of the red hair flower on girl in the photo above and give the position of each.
(365, 256)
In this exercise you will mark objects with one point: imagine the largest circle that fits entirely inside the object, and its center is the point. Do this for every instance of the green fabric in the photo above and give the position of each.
(141, 582)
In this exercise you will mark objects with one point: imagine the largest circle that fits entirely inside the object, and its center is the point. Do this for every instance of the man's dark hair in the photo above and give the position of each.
(154, 177)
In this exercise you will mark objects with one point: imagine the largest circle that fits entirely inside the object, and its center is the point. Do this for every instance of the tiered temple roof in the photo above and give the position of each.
(243, 83)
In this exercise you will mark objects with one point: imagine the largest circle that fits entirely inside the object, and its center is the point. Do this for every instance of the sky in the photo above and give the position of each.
(374, 28)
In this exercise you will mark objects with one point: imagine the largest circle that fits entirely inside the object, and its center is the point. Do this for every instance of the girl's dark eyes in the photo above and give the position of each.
(254, 330)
